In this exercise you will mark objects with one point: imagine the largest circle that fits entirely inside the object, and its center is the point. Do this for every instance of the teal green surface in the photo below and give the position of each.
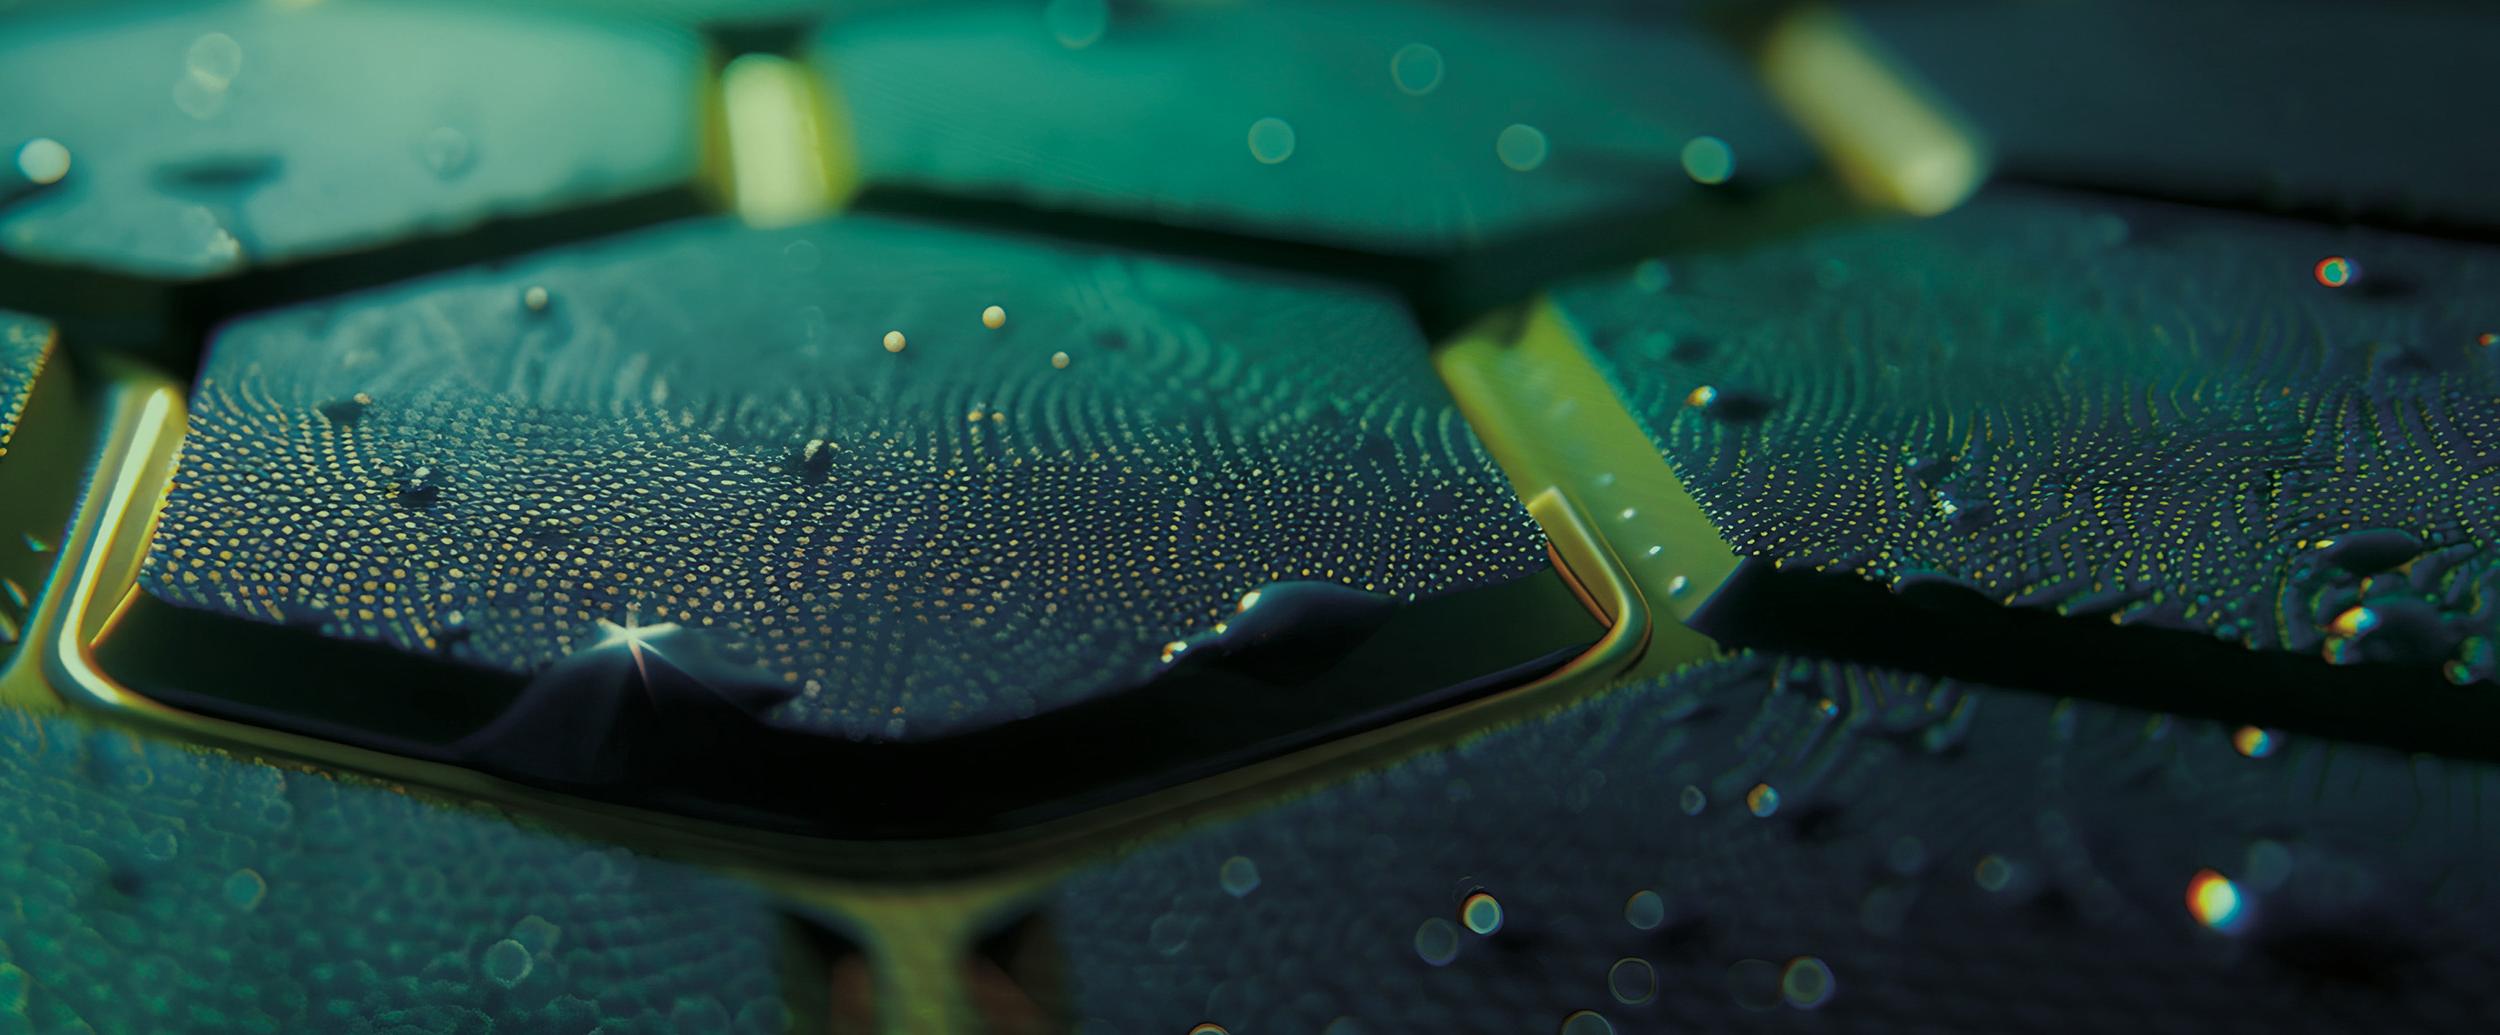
(204, 139)
(1782, 845)
(702, 427)
(145, 886)
(2094, 405)
(1148, 112)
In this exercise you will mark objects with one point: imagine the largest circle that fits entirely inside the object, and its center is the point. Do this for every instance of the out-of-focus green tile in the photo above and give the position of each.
(205, 140)
(1393, 127)
(2369, 108)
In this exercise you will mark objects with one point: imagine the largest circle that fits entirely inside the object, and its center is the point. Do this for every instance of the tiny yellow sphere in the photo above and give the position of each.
(993, 318)
(1059, 360)
(894, 341)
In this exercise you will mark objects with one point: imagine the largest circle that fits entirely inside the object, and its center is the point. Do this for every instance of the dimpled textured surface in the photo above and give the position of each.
(323, 129)
(702, 427)
(24, 344)
(1152, 118)
(2096, 406)
(147, 886)
(1956, 858)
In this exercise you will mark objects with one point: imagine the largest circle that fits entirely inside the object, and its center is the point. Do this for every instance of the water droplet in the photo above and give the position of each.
(1587, 1022)
(2354, 622)
(1632, 980)
(1522, 147)
(1645, 910)
(994, 317)
(244, 889)
(1077, 24)
(1763, 799)
(1239, 876)
(1993, 873)
(2214, 901)
(160, 845)
(446, 151)
(215, 58)
(535, 299)
(1271, 140)
(2335, 271)
(1416, 69)
(1708, 160)
(1693, 800)
(1807, 983)
(1436, 940)
(198, 97)
(420, 489)
(1169, 933)
(43, 161)
(894, 341)
(1059, 361)
(508, 963)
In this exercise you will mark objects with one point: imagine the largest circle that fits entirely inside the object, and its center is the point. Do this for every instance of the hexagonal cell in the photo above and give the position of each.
(2251, 430)
(2334, 108)
(202, 142)
(720, 514)
(159, 886)
(1393, 128)
(1760, 838)
(38, 470)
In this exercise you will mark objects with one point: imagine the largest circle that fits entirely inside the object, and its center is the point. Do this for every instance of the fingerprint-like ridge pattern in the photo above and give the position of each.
(151, 886)
(1823, 846)
(701, 427)
(2097, 407)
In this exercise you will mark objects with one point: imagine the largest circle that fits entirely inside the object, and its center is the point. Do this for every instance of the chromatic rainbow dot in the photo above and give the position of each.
(1763, 799)
(2334, 271)
(2487, 339)
(1701, 398)
(2354, 622)
(1209, 1028)
(2214, 901)
(1482, 913)
(2253, 742)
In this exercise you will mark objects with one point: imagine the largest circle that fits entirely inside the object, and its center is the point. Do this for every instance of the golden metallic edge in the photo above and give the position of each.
(96, 573)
